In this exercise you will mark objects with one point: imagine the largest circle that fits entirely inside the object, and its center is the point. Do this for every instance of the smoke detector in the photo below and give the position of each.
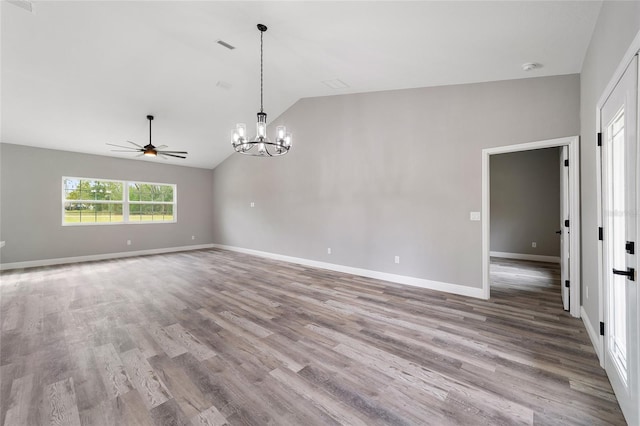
(530, 66)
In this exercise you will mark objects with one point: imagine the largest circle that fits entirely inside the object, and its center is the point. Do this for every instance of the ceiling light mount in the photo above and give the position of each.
(261, 145)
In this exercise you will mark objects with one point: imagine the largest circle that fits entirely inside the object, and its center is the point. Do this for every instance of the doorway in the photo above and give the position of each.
(571, 240)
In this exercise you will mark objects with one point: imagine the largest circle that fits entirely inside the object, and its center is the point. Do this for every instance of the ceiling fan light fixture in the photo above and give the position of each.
(261, 145)
(149, 150)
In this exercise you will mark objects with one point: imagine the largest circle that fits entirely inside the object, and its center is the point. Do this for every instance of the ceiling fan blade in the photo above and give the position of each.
(125, 150)
(164, 157)
(172, 155)
(120, 146)
(133, 143)
(161, 146)
(174, 152)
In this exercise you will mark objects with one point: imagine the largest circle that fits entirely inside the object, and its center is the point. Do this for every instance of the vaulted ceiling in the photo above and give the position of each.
(79, 74)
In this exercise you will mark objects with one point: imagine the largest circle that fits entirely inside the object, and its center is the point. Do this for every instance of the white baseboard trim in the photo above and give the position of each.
(522, 256)
(89, 258)
(400, 279)
(596, 341)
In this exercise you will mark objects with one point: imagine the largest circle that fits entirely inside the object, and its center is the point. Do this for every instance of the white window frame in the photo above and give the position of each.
(125, 202)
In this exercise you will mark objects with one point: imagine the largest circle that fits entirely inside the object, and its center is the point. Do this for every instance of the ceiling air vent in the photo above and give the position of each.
(22, 4)
(225, 44)
(336, 84)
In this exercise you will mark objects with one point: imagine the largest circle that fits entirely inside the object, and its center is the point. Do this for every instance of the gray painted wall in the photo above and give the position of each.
(617, 25)
(381, 174)
(30, 205)
(525, 202)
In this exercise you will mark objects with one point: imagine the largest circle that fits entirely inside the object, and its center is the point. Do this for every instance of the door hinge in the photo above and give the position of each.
(630, 247)
(599, 139)
(566, 223)
(566, 283)
(566, 163)
(601, 328)
(601, 233)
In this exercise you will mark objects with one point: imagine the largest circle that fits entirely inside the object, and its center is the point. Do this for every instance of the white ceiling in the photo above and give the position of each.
(78, 74)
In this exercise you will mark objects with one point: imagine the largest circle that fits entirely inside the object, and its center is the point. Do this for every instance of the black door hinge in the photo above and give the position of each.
(566, 283)
(600, 233)
(601, 328)
(566, 223)
(599, 139)
(566, 163)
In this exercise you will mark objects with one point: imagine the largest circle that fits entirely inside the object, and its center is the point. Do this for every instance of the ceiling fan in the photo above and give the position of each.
(149, 150)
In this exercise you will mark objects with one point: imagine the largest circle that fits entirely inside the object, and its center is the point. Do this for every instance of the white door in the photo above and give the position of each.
(564, 229)
(619, 117)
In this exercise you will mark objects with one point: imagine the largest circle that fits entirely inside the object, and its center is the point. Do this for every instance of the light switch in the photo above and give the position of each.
(474, 216)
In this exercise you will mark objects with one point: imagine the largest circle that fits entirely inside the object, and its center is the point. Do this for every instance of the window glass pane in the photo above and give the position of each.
(92, 212)
(82, 189)
(617, 212)
(150, 212)
(167, 193)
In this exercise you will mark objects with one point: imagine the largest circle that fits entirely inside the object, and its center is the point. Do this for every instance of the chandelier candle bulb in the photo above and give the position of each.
(262, 130)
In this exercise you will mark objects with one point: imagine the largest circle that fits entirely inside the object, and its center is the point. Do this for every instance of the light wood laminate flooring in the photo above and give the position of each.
(213, 337)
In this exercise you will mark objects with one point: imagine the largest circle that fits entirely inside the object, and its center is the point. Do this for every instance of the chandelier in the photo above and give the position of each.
(261, 145)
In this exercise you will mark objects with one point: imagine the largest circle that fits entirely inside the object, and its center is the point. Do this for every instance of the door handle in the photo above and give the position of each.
(559, 232)
(630, 273)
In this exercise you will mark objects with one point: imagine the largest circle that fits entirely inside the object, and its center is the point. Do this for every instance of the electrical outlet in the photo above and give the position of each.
(193, 237)
(2, 243)
(587, 292)
(475, 216)
(252, 204)
(397, 259)
(128, 242)
(329, 250)
(534, 244)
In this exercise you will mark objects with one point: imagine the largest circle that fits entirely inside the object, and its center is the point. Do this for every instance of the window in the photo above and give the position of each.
(150, 202)
(92, 201)
(100, 201)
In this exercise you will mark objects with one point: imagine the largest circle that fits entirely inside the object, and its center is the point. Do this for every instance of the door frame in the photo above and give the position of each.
(573, 144)
(632, 51)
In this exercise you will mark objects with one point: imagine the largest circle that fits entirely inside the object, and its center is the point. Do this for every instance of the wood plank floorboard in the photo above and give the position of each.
(212, 337)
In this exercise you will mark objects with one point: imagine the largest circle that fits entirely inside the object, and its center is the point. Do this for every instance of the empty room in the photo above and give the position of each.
(319, 213)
